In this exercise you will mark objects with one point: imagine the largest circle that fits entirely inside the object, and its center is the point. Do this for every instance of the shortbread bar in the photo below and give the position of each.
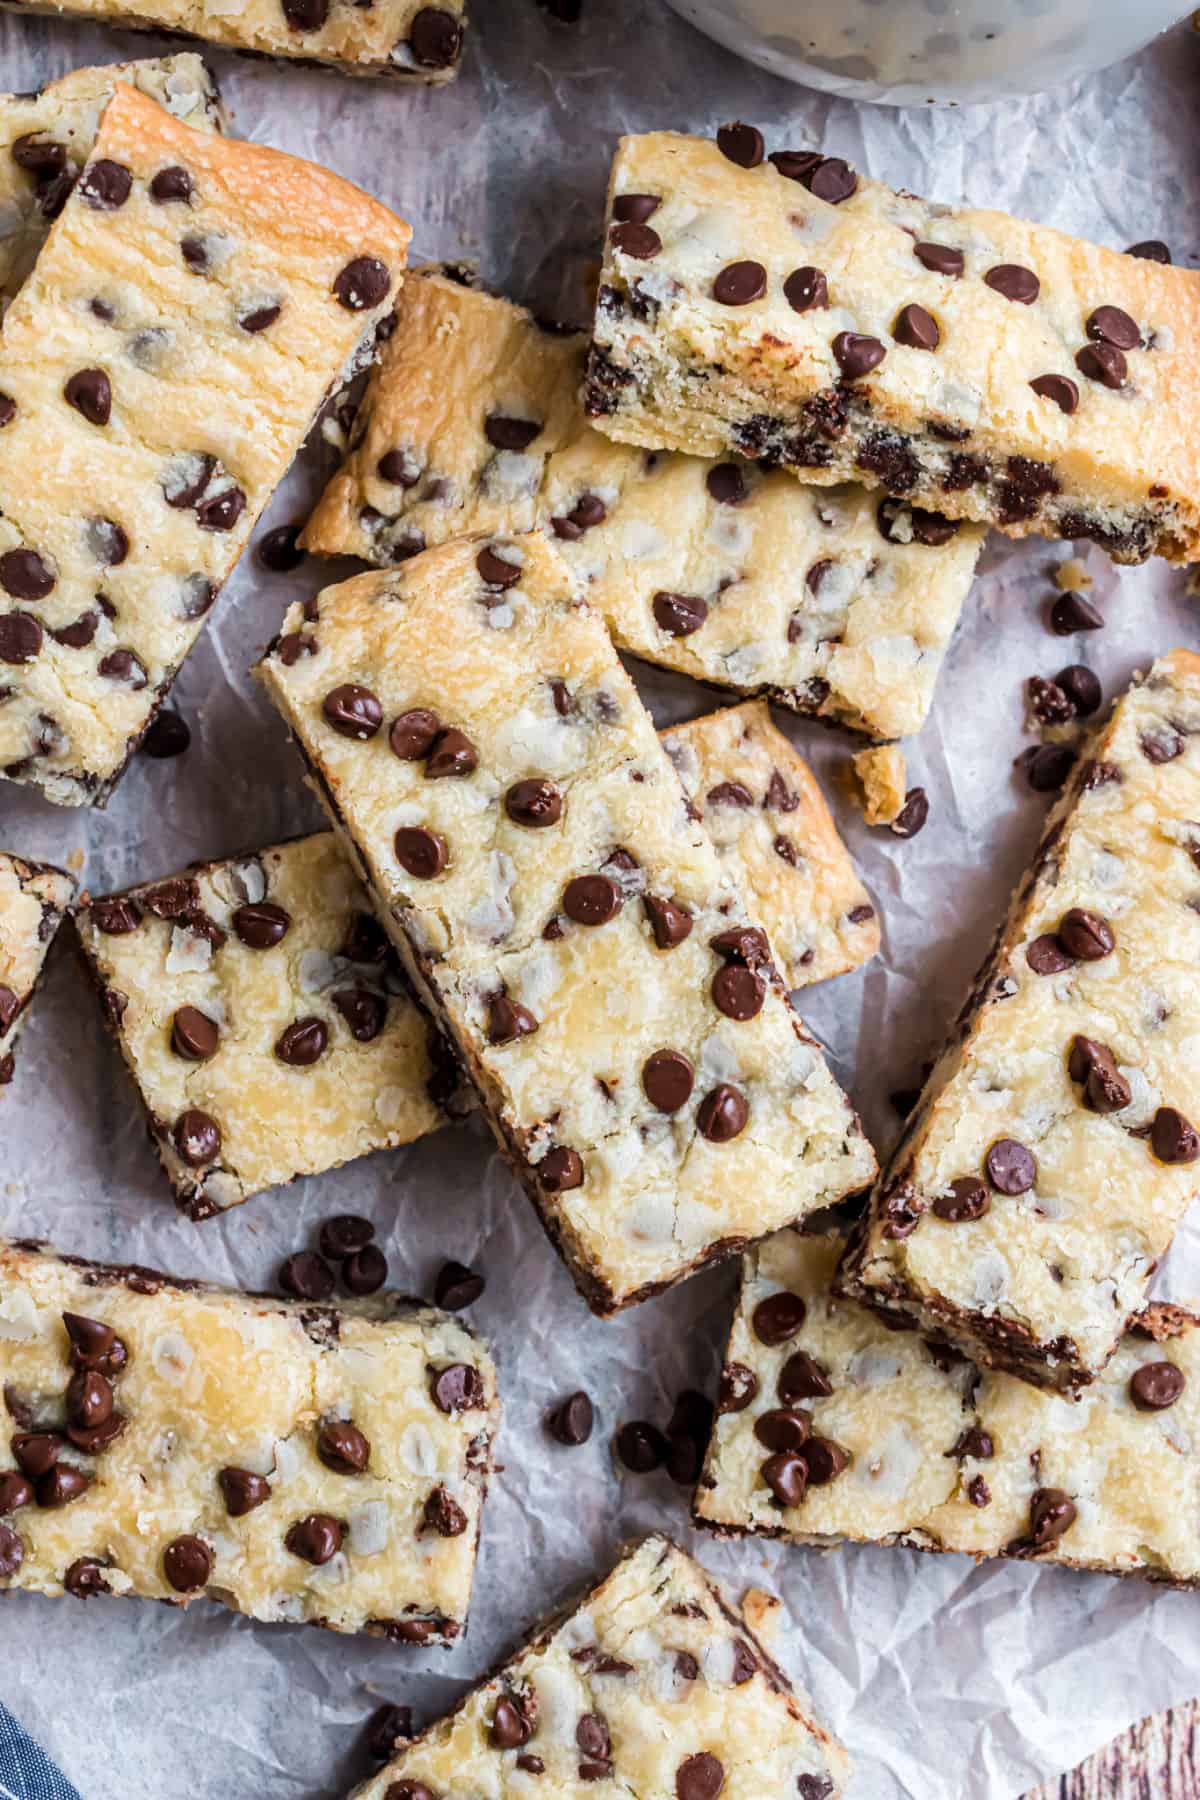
(398, 38)
(760, 804)
(653, 1686)
(834, 1424)
(33, 899)
(46, 137)
(1055, 1148)
(981, 367)
(297, 1463)
(194, 302)
(830, 601)
(475, 739)
(261, 1013)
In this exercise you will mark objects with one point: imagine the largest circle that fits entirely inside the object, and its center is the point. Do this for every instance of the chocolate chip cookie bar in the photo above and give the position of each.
(264, 1019)
(831, 602)
(654, 1686)
(787, 309)
(760, 803)
(46, 137)
(33, 899)
(835, 1424)
(399, 38)
(1055, 1148)
(170, 1439)
(476, 741)
(194, 302)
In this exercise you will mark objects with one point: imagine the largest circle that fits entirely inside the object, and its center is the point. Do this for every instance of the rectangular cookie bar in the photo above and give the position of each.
(33, 898)
(297, 1463)
(834, 1425)
(830, 602)
(46, 137)
(653, 1686)
(399, 38)
(1054, 1149)
(979, 366)
(262, 1016)
(475, 739)
(194, 302)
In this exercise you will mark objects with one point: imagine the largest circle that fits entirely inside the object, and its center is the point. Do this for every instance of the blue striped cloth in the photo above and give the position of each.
(26, 1772)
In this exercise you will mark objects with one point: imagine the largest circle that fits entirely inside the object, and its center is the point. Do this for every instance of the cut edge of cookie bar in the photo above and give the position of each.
(432, 55)
(132, 1327)
(420, 1089)
(504, 1712)
(25, 944)
(918, 1448)
(871, 1271)
(838, 380)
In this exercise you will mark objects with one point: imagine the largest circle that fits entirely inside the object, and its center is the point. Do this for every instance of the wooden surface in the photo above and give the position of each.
(1158, 1760)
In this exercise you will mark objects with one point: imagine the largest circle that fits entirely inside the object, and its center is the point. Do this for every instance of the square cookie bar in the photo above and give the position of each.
(400, 38)
(1055, 1147)
(475, 739)
(33, 898)
(194, 302)
(46, 137)
(989, 369)
(294, 1462)
(653, 1686)
(759, 802)
(834, 1425)
(264, 1020)
(830, 601)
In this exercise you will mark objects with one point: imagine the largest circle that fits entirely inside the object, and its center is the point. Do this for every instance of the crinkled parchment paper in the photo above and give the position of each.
(944, 1679)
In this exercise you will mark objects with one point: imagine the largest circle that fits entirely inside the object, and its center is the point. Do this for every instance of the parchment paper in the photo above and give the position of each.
(944, 1680)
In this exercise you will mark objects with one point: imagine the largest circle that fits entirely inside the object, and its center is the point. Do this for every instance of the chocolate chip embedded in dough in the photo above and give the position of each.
(421, 853)
(783, 1428)
(1103, 363)
(95, 1345)
(670, 923)
(495, 569)
(413, 732)
(305, 15)
(457, 1286)
(504, 433)
(786, 1474)
(435, 38)
(456, 1388)
(362, 284)
(20, 637)
(856, 354)
(92, 1439)
(1059, 388)
(1111, 325)
(260, 925)
(197, 1137)
(1046, 955)
(1014, 283)
(306, 1276)
(535, 802)
(1173, 1138)
(739, 1387)
(170, 185)
(668, 1077)
(365, 1272)
(242, 1490)
(61, 1485)
(806, 289)
(635, 209)
(261, 318)
(560, 1169)
(452, 755)
(723, 1114)
(84, 1578)
(1161, 744)
(342, 1447)
(315, 1539)
(302, 1043)
(801, 1377)
(365, 1013)
(105, 185)
(591, 899)
(641, 242)
(1150, 250)
(12, 1552)
(40, 156)
(824, 1460)
(1152, 1388)
(443, 1514)
(679, 615)
(1105, 1089)
(1087, 936)
(641, 1446)
(726, 484)
(194, 1036)
(36, 1452)
(968, 1199)
(508, 1020)
(742, 144)
(740, 283)
(16, 1490)
(1010, 1167)
(510, 1726)
(830, 178)
(778, 1318)
(26, 576)
(8, 409)
(1051, 1513)
(738, 992)
(221, 511)
(916, 328)
(89, 1399)
(571, 1421)
(90, 393)
(973, 1442)
(940, 259)
(353, 711)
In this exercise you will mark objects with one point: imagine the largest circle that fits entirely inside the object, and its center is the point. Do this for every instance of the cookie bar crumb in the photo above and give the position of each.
(882, 783)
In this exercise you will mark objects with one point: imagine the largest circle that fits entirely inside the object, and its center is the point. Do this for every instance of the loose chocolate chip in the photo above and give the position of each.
(591, 899)
(916, 328)
(913, 815)
(723, 1114)
(742, 144)
(1011, 1168)
(1072, 612)
(1046, 955)
(26, 576)
(365, 1272)
(456, 1388)
(279, 550)
(457, 1286)
(496, 570)
(778, 1318)
(1082, 689)
(90, 393)
(85, 1578)
(738, 992)
(365, 1013)
(12, 1552)
(1014, 283)
(784, 1428)
(261, 924)
(389, 1726)
(344, 1235)
(420, 852)
(353, 711)
(509, 1020)
(342, 1447)
(510, 1728)
(1110, 325)
(1086, 936)
(1051, 1513)
(1059, 388)
(641, 242)
(560, 1169)
(20, 637)
(942, 259)
(242, 1490)
(968, 1199)
(535, 802)
(105, 185)
(194, 1036)
(571, 1421)
(679, 615)
(435, 37)
(1173, 1138)
(641, 1446)
(61, 1485)
(739, 1386)
(315, 1539)
(1152, 1388)
(806, 289)
(197, 1137)
(856, 355)
(95, 1345)
(306, 1276)
(302, 1043)
(668, 1078)
(1103, 363)
(1150, 250)
(801, 1377)
(362, 284)
(171, 184)
(16, 1490)
(444, 1515)
(786, 1474)
(510, 434)
(168, 735)
(412, 733)
(89, 1399)
(739, 283)
(1047, 767)
(635, 209)
(670, 923)
(726, 484)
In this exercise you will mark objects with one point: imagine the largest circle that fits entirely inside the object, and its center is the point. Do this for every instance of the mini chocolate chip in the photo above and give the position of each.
(913, 815)
(510, 434)
(197, 1137)
(89, 1399)
(635, 209)
(302, 1043)
(641, 1446)
(679, 615)
(365, 1272)
(420, 852)
(187, 1564)
(261, 318)
(510, 1728)
(412, 733)
(365, 1013)
(1110, 325)
(968, 1199)
(457, 1286)
(306, 1276)
(342, 1447)
(457, 1388)
(105, 185)
(1152, 1388)
(435, 38)
(739, 283)
(778, 1318)
(242, 1490)
(495, 570)
(261, 924)
(1051, 1513)
(1103, 363)
(16, 1490)
(90, 393)
(942, 259)
(1150, 250)
(723, 1113)
(444, 1515)
(1014, 283)
(783, 1428)
(1046, 955)
(640, 241)
(806, 289)
(801, 1377)
(26, 576)
(85, 1578)
(509, 1020)
(786, 1474)
(670, 923)
(1086, 936)
(362, 284)
(560, 1169)
(20, 637)
(591, 899)
(571, 1421)
(726, 484)
(856, 355)
(916, 328)
(194, 252)
(353, 711)
(194, 1036)
(171, 184)
(95, 1345)
(1173, 1138)
(668, 1077)
(1073, 612)
(1010, 1167)
(315, 1539)
(1059, 388)
(742, 144)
